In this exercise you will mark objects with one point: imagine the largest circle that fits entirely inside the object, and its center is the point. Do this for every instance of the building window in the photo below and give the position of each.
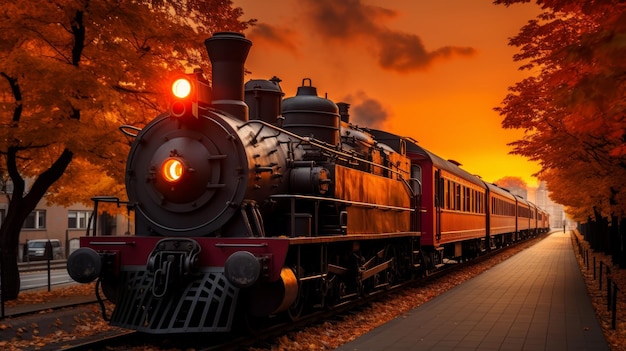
(78, 219)
(35, 220)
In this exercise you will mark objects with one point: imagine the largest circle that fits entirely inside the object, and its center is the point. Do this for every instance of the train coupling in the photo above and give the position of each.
(171, 262)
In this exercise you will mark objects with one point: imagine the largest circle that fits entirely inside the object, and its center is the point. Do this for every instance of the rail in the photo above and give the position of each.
(36, 266)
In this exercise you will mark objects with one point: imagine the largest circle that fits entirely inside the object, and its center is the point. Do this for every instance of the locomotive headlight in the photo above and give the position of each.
(172, 169)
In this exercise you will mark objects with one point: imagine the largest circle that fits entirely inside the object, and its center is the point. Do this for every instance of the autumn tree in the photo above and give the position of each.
(72, 72)
(572, 106)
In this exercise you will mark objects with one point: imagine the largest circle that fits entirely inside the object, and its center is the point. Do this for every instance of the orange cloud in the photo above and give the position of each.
(274, 36)
(365, 111)
(348, 20)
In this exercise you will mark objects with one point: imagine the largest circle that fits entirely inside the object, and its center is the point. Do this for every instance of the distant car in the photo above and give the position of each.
(37, 248)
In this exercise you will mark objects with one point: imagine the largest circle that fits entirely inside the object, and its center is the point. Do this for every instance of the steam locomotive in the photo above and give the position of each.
(248, 204)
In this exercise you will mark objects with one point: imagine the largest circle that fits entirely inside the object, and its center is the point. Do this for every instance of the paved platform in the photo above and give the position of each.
(536, 300)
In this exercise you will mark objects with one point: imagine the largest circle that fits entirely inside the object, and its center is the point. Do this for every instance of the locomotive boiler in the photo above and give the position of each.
(264, 209)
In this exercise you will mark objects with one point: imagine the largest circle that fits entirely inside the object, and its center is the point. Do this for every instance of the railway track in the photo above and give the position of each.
(261, 337)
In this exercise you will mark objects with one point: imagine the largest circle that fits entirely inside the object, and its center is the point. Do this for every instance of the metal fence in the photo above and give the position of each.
(601, 274)
(36, 266)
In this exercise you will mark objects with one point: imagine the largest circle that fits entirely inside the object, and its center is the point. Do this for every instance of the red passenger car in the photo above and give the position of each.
(453, 208)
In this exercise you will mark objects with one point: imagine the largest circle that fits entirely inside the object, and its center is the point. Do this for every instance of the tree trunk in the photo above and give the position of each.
(10, 274)
(9, 242)
(20, 207)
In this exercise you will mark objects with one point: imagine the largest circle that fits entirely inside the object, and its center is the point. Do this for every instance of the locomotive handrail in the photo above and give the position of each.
(324, 146)
(94, 215)
(125, 129)
(108, 243)
(241, 245)
(348, 202)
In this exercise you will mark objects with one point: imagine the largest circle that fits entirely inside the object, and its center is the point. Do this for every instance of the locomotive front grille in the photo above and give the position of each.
(205, 304)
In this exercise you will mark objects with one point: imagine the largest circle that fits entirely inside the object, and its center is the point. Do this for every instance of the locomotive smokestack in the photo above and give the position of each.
(228, 52)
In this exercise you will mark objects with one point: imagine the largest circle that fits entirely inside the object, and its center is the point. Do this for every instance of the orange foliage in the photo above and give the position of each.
(73, 72)
(573, 108)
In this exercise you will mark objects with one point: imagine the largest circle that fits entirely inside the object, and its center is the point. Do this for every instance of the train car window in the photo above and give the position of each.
(462, 203)
(462, 198)
(441, 187)
(481, 204)
(457, 197)
(451, 195)
(474, 197)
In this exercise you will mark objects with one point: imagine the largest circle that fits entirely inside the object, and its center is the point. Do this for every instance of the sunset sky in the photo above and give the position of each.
(431, 70)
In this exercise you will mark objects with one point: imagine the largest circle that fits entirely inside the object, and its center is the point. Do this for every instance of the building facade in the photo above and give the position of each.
(557, 214)
(66, 224)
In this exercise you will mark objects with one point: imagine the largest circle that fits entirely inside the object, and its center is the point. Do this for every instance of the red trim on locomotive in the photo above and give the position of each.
(134, 250)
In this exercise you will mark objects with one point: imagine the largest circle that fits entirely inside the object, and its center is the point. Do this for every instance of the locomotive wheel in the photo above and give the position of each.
(392, 272)
(324, 291)
(344, 293)
(336, 291)
(295, 310)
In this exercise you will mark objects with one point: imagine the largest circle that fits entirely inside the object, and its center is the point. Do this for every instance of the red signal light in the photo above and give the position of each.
(185, 103)
(181, 88)
(188, 93)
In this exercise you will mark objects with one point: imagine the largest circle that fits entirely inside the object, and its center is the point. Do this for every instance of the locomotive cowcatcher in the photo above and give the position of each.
(248, 205)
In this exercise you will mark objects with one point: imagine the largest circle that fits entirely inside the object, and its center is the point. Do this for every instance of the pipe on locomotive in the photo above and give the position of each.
(228, 52)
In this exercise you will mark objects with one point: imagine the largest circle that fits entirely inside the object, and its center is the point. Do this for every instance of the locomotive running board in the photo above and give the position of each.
(206, 304)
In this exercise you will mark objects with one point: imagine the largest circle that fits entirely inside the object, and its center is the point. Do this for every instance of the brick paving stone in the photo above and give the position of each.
(536, 300)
